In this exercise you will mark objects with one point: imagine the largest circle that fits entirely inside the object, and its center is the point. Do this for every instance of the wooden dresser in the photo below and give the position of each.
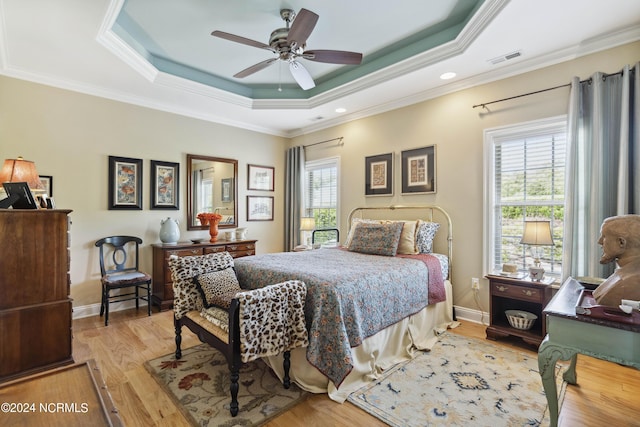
(162, 284)
(35, 307)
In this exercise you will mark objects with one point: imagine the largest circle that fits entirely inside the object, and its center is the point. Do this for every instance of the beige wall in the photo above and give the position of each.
(71, 135)
(456, 129)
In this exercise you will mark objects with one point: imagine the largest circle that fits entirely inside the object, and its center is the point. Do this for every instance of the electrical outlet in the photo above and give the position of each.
(475, 283)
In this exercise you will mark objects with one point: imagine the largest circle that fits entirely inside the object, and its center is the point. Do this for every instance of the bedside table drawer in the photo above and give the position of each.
(522, 293)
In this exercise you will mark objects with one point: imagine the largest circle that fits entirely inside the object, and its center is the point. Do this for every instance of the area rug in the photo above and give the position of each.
(460, 382)
(199, 384)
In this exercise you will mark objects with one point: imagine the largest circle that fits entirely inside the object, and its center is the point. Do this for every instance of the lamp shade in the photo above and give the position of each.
(20, 170)
(307, 223)
(537, 233)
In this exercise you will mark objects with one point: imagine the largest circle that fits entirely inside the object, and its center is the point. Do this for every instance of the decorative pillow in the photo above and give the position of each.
(425, 235)
(217, 288)
(407, 245)
(183, 269)
(376, 239)
(354, 223)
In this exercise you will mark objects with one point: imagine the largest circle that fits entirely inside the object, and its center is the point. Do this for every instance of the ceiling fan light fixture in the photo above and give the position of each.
(448, 75)
(341, 110)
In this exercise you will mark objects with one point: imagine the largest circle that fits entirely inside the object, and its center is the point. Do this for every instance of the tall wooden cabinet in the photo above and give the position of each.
(162, 283)
(35, 307)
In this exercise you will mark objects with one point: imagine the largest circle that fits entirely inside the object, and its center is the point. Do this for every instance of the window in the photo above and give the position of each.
(321, 199)
(524, 180)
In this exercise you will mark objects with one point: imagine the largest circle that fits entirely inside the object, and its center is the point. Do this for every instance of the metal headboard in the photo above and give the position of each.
(429, 210)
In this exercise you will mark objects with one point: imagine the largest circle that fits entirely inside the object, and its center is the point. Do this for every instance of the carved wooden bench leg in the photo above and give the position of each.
(286, 381)
(235, 375)
(178, 328)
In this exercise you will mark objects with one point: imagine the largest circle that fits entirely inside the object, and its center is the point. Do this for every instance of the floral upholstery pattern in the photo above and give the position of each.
(183, 269)
(376, 238)
(425, 235)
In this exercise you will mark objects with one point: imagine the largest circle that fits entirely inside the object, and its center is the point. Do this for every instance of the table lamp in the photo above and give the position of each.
(307, 224)
(20, 170)
(536, 234)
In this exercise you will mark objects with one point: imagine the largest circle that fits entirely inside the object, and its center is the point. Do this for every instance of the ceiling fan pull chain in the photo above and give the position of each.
(280, 77)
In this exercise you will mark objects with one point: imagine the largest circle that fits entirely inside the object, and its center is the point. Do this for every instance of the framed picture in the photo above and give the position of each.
(125, 183)
(20, 195)
(259, 208)
(378, 175)
(260, 177)
(165, 188)
(226, 190)
(419, 170)
(47, 181)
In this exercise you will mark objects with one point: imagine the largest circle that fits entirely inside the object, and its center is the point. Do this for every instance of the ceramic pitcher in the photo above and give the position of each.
(169, 231)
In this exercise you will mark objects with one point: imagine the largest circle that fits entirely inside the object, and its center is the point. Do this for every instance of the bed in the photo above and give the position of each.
(368, 307)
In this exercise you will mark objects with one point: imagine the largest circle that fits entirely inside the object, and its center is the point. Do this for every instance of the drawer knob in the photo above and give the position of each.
(501, 288)
(527, 292)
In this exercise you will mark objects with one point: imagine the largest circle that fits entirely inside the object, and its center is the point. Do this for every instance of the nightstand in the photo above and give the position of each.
(508, 293)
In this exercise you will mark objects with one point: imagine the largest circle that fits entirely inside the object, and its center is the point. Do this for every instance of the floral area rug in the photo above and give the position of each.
(199, 384)
(460, 382)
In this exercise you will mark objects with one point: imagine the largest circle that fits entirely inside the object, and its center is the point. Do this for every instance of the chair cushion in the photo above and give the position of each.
(217, 288)
(126, 278)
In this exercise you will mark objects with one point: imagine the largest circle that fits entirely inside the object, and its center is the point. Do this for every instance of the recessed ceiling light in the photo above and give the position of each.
(341, 110)
(447, 76)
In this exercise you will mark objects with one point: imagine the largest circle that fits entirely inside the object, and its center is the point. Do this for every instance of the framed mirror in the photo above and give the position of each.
(212, 186)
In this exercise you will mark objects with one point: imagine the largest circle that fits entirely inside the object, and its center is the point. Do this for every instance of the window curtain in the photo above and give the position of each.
(603, 154)
(294, 196)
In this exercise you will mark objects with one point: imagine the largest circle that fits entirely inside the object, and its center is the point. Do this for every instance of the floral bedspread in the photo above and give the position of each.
(350, 296)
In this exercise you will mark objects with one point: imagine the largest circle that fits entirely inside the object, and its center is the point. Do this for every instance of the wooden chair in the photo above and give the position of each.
(119, 266)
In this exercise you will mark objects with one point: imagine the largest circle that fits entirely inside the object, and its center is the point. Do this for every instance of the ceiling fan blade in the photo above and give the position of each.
(333, 56)
(255, 68)
(303, 25)
(301, 75)
(242, 40)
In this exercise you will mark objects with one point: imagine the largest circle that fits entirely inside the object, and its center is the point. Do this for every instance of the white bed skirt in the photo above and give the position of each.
(377, 353)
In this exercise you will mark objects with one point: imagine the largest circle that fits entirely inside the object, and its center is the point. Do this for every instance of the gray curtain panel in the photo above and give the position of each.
(294, 196)
(603, 156)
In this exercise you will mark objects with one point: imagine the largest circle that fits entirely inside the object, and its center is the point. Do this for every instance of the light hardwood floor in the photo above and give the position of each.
(606, 395)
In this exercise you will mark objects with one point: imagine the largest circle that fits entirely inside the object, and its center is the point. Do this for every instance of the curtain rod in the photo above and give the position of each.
(323, 142)
(484, 104)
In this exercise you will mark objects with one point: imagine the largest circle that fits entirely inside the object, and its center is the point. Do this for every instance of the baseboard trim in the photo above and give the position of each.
(94, 309)
(470, 315)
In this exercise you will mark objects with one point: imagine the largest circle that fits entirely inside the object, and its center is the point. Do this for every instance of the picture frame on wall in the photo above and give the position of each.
(226, 189)
(378, 175)
(259, 208)
(47, 182)
(125, 183)
(419, 170)
(260, 177)
(165, 185)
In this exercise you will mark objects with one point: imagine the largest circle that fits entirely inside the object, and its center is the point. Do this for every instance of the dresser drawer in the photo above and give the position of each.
(183, 252)
(213, 249)
(241, 247)
(238, 254)
(522, 293)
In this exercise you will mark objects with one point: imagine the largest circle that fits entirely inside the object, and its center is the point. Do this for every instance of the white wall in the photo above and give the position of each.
(70, 136)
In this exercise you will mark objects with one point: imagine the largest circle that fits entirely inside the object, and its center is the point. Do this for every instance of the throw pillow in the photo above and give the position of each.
(376, 239)
(217, 288)
(426, 234)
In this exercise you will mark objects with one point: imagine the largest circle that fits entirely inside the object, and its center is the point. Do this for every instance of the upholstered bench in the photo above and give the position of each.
(242, 325)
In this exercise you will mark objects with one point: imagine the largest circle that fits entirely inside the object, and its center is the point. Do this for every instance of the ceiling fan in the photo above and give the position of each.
(289, 43)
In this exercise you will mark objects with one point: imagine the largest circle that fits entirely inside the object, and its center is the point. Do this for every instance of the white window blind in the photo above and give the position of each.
(321, 201)
(526, 175)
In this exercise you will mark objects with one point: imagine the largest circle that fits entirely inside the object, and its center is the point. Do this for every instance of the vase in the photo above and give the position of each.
(169, 231)
(213, 230)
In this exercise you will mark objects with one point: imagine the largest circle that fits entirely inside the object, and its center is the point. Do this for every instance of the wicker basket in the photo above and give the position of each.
(521, 319)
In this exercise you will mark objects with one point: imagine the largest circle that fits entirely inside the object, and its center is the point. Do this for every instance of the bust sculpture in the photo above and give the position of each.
(620, 240)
